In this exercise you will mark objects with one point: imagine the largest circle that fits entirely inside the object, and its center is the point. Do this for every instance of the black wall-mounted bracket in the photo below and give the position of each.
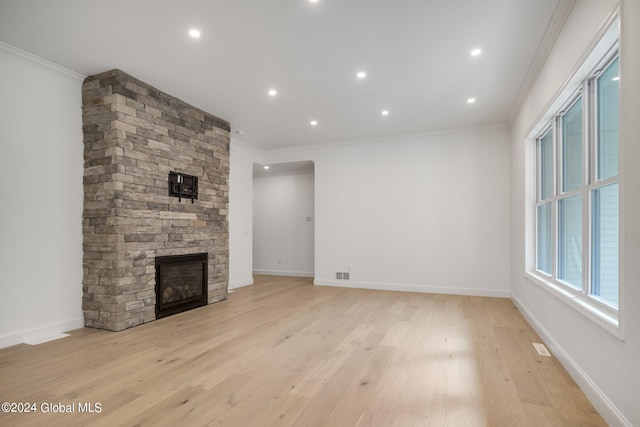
(183, 185)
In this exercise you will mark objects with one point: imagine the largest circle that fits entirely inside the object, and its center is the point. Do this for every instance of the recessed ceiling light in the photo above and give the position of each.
(471, 100)
(313, 1)
(361, 74)
(272, 92)
(385, 112)
(475, 52)
(266, 166)
(194, 33)
(313, 123)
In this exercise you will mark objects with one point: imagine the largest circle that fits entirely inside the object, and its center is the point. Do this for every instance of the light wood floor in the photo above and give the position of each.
(286, 353)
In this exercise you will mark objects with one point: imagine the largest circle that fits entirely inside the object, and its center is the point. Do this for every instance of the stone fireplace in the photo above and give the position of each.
(135, 138)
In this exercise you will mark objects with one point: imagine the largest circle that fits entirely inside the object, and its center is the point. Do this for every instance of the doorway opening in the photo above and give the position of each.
(284, 219)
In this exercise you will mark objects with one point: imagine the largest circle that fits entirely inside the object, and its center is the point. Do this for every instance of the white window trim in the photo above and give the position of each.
(599, 312)
(602, 314)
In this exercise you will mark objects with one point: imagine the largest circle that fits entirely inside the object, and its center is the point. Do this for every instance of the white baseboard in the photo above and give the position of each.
(425, 289)
(284, 273)
(41, 333)
(240, 283)
(600, 401)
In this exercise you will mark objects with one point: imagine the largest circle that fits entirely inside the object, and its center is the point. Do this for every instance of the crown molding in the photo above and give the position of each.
(559, 18)
(5, 47)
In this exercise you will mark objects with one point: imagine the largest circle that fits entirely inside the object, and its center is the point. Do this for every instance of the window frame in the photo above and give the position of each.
(600, 311)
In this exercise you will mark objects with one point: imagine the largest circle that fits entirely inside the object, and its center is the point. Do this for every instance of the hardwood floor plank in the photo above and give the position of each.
(286, 353)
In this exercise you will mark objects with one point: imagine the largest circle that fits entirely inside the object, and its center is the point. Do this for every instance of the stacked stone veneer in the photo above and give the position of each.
(134, 135)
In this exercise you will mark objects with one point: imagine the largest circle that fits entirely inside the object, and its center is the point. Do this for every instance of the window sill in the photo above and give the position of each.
(587, 306)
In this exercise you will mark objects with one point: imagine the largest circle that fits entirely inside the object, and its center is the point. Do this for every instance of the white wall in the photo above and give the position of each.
(283, 239)
(605, 367)
(241, 213)
(425, 213)
(41, 168)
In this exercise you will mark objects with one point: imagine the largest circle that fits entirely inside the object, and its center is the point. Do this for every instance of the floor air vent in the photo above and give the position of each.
(541, 349)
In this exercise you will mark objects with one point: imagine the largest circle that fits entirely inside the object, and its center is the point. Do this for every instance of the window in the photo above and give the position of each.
(577, 221)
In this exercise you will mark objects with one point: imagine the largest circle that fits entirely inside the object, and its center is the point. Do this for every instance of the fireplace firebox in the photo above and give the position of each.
(181, 283)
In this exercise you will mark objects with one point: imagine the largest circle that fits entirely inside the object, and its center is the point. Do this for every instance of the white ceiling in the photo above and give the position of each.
(415, 53)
